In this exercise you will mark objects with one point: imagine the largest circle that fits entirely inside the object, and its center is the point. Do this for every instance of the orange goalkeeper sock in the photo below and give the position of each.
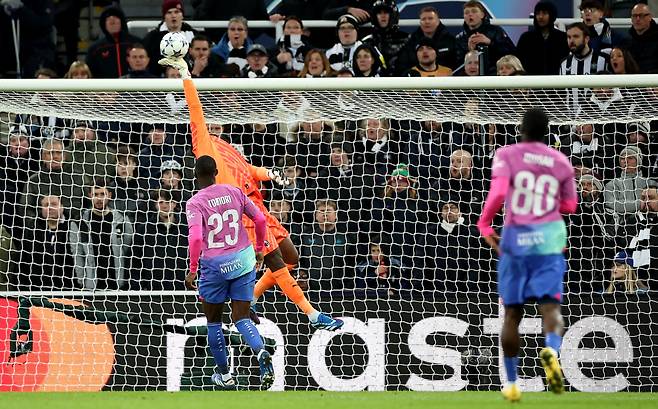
(266, 282)
(291, 289)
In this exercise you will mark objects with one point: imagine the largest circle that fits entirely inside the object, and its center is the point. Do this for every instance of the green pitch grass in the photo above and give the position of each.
(323, 400)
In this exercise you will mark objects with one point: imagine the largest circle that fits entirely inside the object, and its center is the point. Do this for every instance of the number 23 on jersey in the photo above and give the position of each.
(225, 228)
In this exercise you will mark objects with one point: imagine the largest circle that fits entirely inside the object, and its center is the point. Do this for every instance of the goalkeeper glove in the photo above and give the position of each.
(275, 176)
(178, 63)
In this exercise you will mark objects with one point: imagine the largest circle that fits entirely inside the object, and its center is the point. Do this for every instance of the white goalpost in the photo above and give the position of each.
(388, 178)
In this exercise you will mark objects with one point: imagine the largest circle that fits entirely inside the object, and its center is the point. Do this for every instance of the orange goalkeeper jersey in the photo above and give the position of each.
(232, 168)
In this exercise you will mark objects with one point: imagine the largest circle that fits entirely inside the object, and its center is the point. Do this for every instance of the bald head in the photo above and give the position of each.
(641, 18)
(461, 154)
(461, 164)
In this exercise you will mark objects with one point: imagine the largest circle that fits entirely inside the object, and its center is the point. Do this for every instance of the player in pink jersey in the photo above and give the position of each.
(536, 183)
(228, 265)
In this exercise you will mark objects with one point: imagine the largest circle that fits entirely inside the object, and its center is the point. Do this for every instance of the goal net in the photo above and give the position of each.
(388, 178)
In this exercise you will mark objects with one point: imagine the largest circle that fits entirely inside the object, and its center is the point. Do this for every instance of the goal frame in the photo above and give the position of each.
(338, 84)
(490, 324)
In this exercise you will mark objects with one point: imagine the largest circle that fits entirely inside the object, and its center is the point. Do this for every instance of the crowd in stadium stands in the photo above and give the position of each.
(382, 205)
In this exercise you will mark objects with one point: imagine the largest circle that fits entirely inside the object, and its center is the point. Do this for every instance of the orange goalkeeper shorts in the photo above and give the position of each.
(275, 231)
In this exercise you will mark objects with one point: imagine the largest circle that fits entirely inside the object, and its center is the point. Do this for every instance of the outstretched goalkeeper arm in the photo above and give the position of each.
(202, 142)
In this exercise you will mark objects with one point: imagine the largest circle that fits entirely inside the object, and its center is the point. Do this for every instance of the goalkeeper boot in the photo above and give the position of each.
(224, 381)
(266, 369)
(554, 377)
(326, 322)
(512, 392)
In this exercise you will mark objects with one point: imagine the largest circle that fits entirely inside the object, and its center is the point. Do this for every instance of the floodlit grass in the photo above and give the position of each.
(322, 400)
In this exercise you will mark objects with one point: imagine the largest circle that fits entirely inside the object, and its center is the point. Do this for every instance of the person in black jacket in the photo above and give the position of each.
(172, 21)
(341, 55)
(591, 237)
(67, 23)
(130, 191)
(313, 147)
(327, 252)
(376, 151)
(159, 147)
(400, 214)
(379, 273)
(427, 65)
(291, 49)
(644, 245)
(160, 248)
(601, 35)
(138, 62)
(456, 263)
(46, 260)
(106, 57)
(203, 63)
(464, 181)
(338, 182)
(367, 62)
(644, 39)
(258, 63)
(542, 48)
(479, 34)
(260, 144)
(591, 148)
(432, 28)
(426, 147)
(36, 27)
(386, 36)
(18, 161)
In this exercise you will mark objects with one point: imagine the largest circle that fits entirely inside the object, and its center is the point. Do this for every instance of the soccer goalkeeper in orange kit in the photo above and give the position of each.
(233, 169)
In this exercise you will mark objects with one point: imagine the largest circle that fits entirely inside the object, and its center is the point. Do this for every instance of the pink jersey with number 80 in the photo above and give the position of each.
(540, 179)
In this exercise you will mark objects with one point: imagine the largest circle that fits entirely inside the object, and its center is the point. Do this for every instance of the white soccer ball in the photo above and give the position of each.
(174, 45)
